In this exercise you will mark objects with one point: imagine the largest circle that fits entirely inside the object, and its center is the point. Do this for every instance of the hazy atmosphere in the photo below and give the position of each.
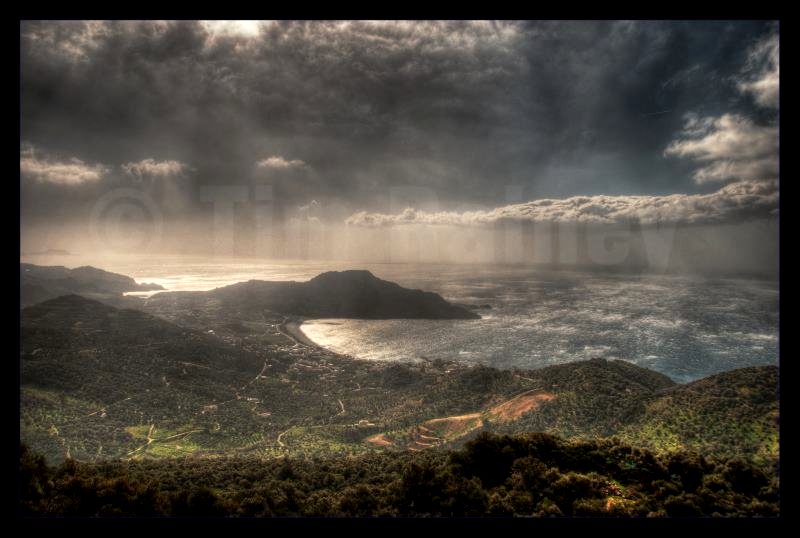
(393, 141)
(399, 269)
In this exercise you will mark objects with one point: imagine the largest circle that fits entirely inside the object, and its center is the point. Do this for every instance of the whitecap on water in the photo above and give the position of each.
(686, 328)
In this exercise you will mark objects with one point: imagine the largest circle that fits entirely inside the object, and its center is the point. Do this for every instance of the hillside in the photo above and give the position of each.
(524, 475)
(735, 412)
(39, 283)
(343, 294)
(92, 377)
(213, 378)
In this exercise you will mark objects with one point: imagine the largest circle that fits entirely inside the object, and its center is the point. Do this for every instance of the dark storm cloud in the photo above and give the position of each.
(348, 110)
(729, 148)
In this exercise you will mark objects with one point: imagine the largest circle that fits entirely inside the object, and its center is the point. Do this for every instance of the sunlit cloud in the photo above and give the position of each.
(731, 147)
(72, 171)
(229, 28)
(732, 203)
(762, 74)
(313, 205)
(154, 169)
(279, 163)
(243, 35)
(72, 40)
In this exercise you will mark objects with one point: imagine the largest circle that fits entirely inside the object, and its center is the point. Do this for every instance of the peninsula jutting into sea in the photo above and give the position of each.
(228, 372)
(390, 269)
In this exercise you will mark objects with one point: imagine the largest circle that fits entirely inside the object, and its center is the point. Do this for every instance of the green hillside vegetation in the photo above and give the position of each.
(733, 412)
(523, 475)
(192, 402)
(102, 383)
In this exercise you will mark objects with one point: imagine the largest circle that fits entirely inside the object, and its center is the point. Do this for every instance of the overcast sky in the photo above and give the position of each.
(563, 120)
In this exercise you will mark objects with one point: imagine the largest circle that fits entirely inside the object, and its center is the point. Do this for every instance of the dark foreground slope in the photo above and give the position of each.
(39, 283)
(206, 408)
(524, 475)
(343, 294)
(101, 383)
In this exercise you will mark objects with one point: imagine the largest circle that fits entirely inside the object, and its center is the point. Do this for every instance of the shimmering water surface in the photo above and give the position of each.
(684, 327)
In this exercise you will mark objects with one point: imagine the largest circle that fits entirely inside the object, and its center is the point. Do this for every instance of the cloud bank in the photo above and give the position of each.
(574, 115)
(736, 202)
(730, 148)
(463, 108)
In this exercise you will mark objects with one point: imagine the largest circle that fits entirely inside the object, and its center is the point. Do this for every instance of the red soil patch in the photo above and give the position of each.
(379, 440)
(436, 431)
(518, 406)
(455, 426)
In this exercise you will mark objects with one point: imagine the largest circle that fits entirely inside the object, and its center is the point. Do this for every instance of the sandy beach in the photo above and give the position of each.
(291, 328)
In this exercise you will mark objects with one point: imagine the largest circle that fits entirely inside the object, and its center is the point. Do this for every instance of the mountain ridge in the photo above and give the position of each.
(98, 381)
(39, 283)
(353, 293)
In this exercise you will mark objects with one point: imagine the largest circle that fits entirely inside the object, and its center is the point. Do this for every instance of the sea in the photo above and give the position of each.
(686, 327)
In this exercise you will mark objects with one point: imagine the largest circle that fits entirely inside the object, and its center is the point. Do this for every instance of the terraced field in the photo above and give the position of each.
(201, 378)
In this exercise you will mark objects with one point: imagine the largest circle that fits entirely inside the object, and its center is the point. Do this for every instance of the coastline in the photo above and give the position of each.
(291, 328)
